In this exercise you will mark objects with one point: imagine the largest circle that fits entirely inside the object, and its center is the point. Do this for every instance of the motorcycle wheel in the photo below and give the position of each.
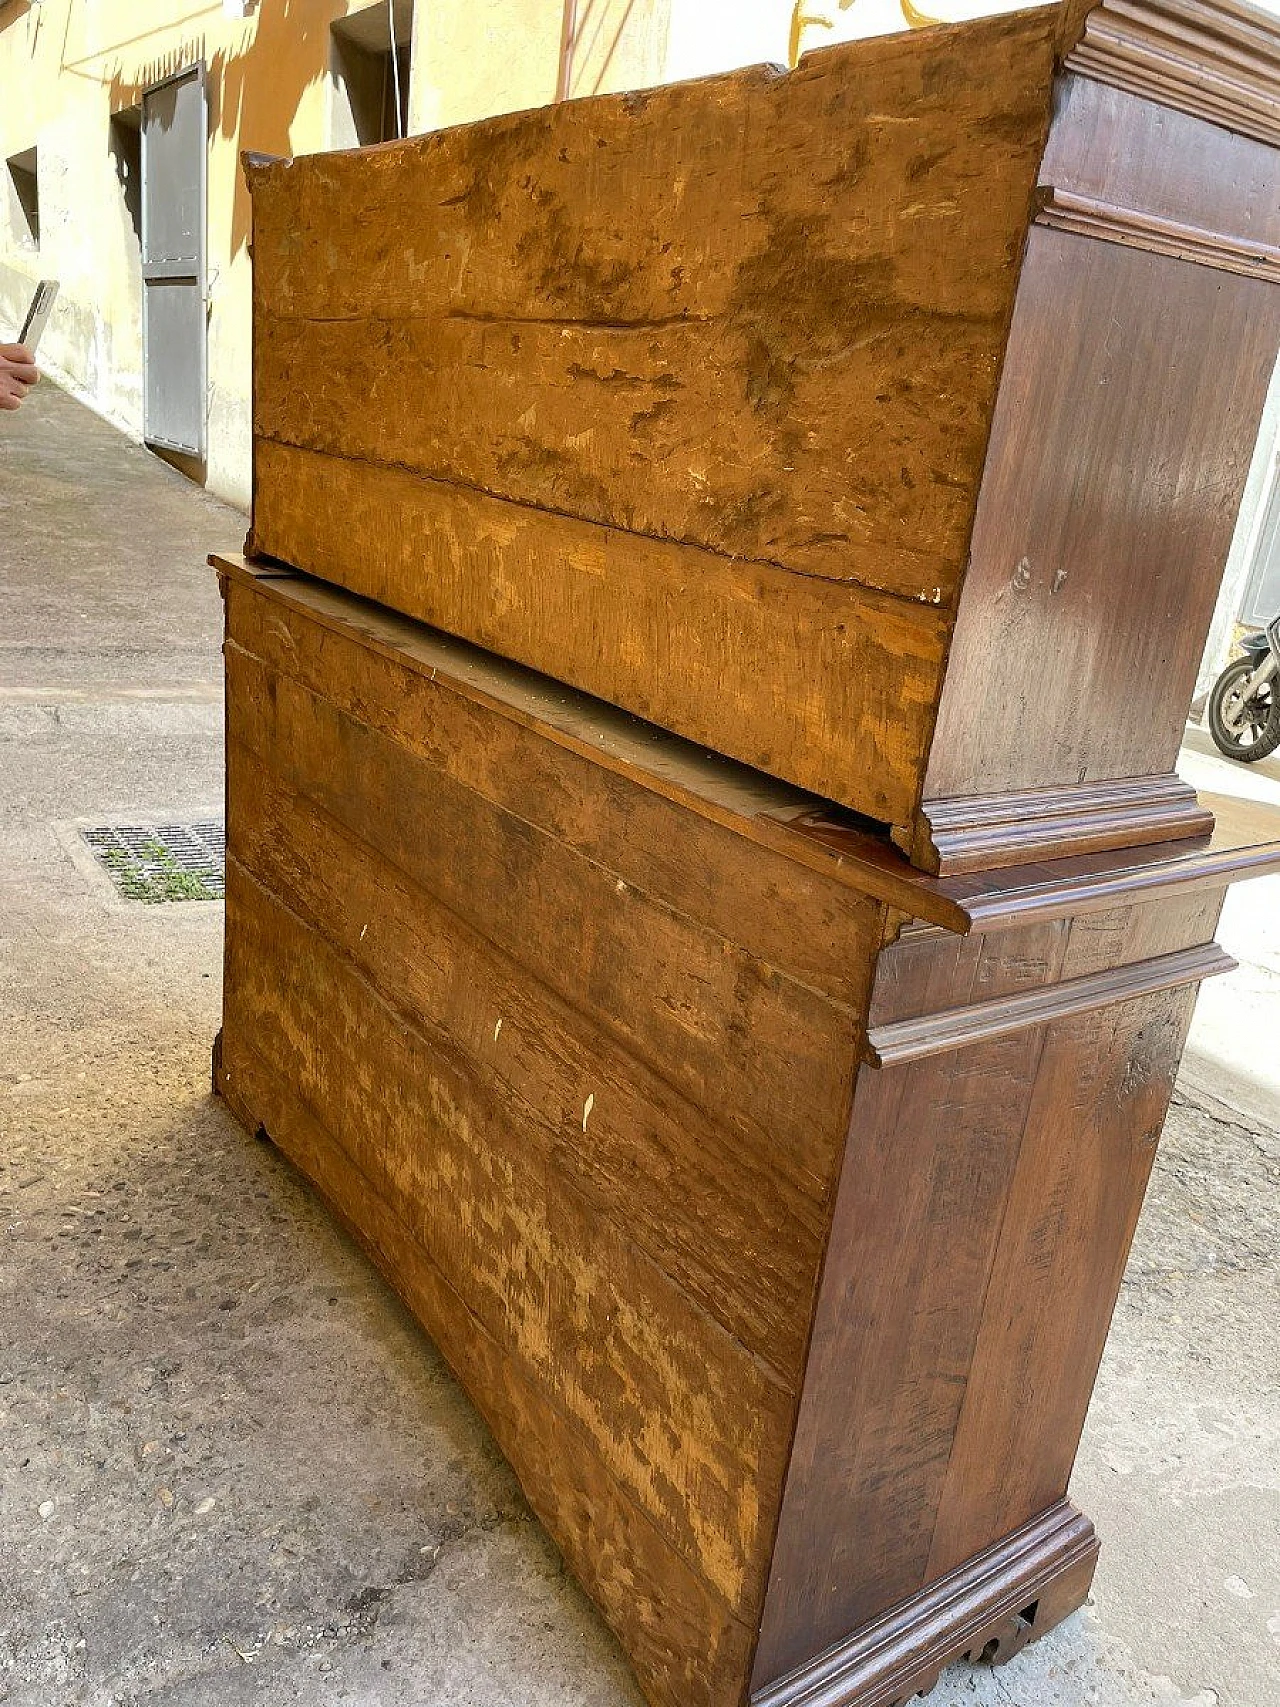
(1260, 733)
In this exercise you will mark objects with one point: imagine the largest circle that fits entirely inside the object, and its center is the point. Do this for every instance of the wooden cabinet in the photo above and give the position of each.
(881, 425)
(769, 1197)
(760, 1136)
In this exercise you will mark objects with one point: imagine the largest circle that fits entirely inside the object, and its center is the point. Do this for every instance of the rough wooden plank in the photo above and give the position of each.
(682, 397)
(687, 1649)
(727, 1030)
(588, 775)
(745, 1243)
(688, 1423)
(763, 313)
(831, 687)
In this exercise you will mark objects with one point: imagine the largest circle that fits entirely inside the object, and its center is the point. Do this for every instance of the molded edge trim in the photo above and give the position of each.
(984, 832)
(903, 1651)
(1134, 229)
(1215, 59)
(954, 1028)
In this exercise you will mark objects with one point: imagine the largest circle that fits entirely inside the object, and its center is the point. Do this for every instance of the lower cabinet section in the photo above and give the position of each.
(769, 1198)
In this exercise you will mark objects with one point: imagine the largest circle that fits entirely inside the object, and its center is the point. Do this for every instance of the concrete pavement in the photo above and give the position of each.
(232, 1470)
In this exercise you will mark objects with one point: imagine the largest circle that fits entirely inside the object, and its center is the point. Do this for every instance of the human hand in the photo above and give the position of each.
(17, 374)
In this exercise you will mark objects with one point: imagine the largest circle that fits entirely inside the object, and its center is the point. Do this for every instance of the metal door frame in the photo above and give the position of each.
(173, 269)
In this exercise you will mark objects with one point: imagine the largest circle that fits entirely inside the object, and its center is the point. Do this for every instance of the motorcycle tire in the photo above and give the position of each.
(1262, 733)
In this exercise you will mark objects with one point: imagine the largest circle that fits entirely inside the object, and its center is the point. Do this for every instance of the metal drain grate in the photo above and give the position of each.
(163, 862)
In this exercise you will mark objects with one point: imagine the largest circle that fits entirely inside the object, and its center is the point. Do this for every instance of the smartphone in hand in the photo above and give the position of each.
(38, 314)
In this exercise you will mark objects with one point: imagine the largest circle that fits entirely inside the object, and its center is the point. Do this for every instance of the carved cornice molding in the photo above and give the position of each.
(1216, 59)
(1135, 229)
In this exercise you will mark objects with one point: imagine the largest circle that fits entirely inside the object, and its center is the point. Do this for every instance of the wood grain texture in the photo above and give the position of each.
(982, 832)
(1156, 365)
(689, 1424)
(1023, 1152)
(689, 312)
(686, 638)
(749, 1247)
(569, 1021)
(682, 397)
(954, 1028)
(686, 1647)
(713, 402)
(1163, 164)
(721, 1026)
(934, 1146)
(1102, 1093)
(1137, 229)
(1138, 373)
(986, 1610)
(511, 1009)
(586, 773)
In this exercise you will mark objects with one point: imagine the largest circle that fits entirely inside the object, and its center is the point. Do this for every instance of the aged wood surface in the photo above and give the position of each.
(679, 1634)
(1008, 1594)
(1131, 153)
(723, 1027)
(689, 639)
(1216, 59)
(1158, 365)
(571, 1023)
(1137, 364)
(682, 397)
(512, 1011)
(1023, 1151)
(646, 310)
(812, 415)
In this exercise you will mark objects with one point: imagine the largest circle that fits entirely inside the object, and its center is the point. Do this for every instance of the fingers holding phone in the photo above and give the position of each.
(18, 374)
(18, 361)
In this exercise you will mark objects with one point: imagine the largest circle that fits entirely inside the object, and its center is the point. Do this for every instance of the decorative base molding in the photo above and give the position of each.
(985, 1610)
(1215, 59)
(984, 832)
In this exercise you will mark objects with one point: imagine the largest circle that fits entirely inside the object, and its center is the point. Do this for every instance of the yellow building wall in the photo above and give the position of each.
(66, 68)
(474, 58)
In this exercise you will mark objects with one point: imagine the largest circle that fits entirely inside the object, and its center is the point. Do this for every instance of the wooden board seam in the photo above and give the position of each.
(838, 858)
(660, 902)
(870, 587)
(449, 1049)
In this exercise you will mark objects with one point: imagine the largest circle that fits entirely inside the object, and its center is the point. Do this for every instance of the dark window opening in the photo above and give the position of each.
(369, 75)
(25, 195)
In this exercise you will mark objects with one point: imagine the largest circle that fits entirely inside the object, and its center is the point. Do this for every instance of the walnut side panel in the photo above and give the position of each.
(1091, 587)
(989, 1194)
